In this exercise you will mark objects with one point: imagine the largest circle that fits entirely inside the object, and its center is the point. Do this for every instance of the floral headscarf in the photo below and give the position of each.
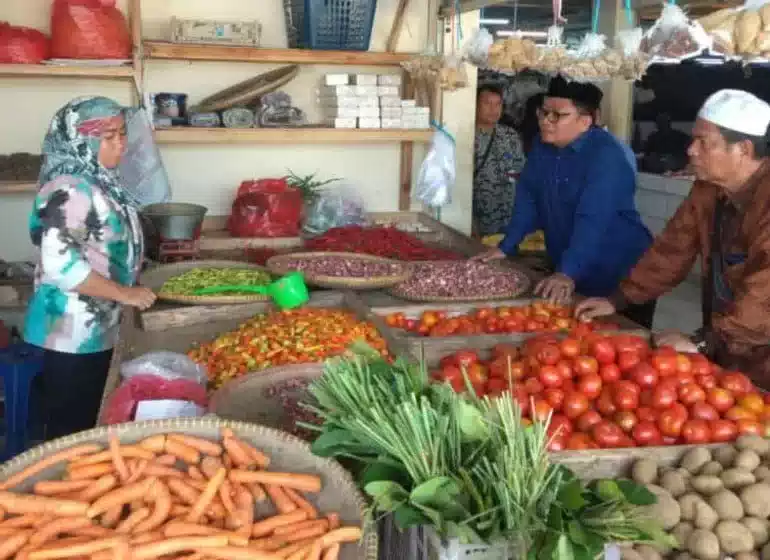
(71, 146)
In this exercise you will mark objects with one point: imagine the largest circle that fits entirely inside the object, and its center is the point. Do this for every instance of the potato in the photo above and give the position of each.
(758, 528)
(648, 552)
(727, 505)
(756, 500)
(755, 443)
(747, 556)
(725, 455)
(687, 505)
(682, 532)
(762, 473)
(666, 510)
(764, 13)
(712, 468)
(644, 471)
(737, 478)
(747, 459)
(708, 485)
(694, 459)
(747, 27)
(703, 545)
(734, 537)
(765, 553)
(630, 554)
(675, 483)
(683, 556)
(705, 516)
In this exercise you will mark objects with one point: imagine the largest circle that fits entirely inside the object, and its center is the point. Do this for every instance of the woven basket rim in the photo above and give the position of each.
(243, 429)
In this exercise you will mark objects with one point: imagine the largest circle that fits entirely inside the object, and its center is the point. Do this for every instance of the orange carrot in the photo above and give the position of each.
(303, 482)
(91, 471)
(332, 553)
(120, 497)
(22, 521)
(342, 535)
(195, 473)
(267, 526)
(243, 520)
(235, 553)
(94, 531)
(306, 533)
(13, 544)
(186, 493)
(225, 494)
(58, 487)
(139, 470)
(50, 461)
(240, 456)
(289, 549)
(98, 488)
(156, 444)
(301, 503)
(134, 518)
(161, 497)
(206, 496)
(57, 527)
(71, 551)
(257, 491)
(112, 516)
(182, 529)
(203, 445)
(29, 503)
(166, 460)
(127, 451)
(181, 451)
(302, 553)
(334, 520)
(178, 510)
(279, 498)
(176, 545)
(301, 526)
(148, 537)
(117, 459)
(2, 514)
(162, 471)
(315, 551)
(210, 465)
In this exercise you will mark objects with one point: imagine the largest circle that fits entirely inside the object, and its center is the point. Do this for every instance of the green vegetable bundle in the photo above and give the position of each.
(198, 278)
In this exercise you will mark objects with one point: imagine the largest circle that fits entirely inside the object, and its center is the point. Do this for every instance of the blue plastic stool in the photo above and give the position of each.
(19, 364)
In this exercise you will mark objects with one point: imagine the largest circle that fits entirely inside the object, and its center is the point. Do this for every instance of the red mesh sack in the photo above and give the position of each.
(121, 404)
(22, 45)
(89, 29)
(266, 208)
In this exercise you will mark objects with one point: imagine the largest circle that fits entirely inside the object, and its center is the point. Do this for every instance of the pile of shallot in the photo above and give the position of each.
(343, 267)
(461, 279)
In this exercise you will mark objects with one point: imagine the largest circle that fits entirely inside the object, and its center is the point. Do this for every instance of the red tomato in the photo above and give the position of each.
(590, 385)
(628, 360)
(683, 364)
(737, 383)
(559, 425)
(624, 397)
(554, 397)
(521, 398)
(587, 420)
(575, 405)
(753, 402)
(629, 386)
(644, 375)
(465, 358)
(737, 413)
(700, 365)
(664, 360)
(480, 389)
(663, 396)
(631, 343)
(671, 422)
(541, 409)
(703, 411)
(605, 404)
(549, 354)
(604, 351)
(579, 441)
(496, 386)
(533, 386)
(626, 420)
(565, 369)
(647, 414)
(585, 365)
(518, 370)
(647, 434)
(696, 431)
(505, 351)
(723, 431)
(570, 348)
(454, 376)
(767, 398)
(721, 399)
(607, 434)
(499, 367)
(706, 381)
(550, 377)
(747, 426)
(691, 393)
(609, 373)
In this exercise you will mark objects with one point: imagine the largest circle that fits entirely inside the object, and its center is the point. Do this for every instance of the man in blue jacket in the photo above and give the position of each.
(578, 186)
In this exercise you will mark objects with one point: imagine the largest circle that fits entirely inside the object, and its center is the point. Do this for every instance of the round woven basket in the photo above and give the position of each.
(524, 286)
(154, 279)
(277, 266)
(287, 453)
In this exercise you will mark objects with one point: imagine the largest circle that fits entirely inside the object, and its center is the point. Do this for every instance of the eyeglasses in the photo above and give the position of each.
(552, 116)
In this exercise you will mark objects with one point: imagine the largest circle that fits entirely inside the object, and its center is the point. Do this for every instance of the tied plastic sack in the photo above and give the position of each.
(452, 75)
(743, 31)
(438, 171)
(266, 208)
(22, 45)
(674, 36)
(142, 172)
(331, 209)
(121, 405)
(168, 365)
(89, 29)
(476, 50)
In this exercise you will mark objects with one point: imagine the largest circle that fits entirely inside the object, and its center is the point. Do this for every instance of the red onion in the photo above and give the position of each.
(470, 279)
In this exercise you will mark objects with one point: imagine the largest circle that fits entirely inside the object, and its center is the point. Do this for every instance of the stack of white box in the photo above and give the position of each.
(369, 101)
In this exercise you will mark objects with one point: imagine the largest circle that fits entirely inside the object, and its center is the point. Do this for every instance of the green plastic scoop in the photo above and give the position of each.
(287, 292)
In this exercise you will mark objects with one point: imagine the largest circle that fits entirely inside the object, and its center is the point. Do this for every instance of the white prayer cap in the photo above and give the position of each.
(737, 110)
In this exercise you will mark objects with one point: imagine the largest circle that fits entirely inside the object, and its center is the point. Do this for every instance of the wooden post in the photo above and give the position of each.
(135, 21)
(406, 159)
(617, 108)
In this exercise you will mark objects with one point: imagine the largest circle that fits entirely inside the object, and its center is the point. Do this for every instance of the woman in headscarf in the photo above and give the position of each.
(90, 247)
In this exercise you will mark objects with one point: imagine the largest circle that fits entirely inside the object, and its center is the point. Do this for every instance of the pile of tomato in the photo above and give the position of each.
(615, 391)
(537, 317)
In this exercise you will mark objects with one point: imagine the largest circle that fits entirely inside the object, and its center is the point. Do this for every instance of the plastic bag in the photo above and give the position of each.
(143, 175)
(89, 29)
(635, 62)
(121, 404)
(476, 50)
(438, 171)
(266, 208)
(22, 45)
(674, 36)
(334, 208)
(168, 365)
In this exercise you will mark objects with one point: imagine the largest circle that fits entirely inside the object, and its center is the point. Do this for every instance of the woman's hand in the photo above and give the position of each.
(557, 288)
(592, 308)
(137, 296)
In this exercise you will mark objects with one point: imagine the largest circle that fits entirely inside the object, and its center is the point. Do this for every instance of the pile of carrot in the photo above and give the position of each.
(169, 496)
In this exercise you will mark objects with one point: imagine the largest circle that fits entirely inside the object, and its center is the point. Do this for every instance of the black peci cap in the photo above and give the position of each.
(589, 96)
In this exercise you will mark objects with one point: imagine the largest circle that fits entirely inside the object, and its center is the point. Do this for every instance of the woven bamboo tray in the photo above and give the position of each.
(287, 453)
(524, 286)
(276, 265)
(156, 277)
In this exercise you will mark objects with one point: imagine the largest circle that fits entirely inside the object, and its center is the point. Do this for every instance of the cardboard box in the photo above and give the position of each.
(368, 123)
(337, 79)
(342, 123)
(365, 79)
(391, 123)
(390, 102)
(389, 80)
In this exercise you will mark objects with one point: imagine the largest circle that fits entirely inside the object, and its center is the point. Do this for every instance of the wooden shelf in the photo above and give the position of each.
(17, 187)
(174, 51)
(52, 71)
(187, 135)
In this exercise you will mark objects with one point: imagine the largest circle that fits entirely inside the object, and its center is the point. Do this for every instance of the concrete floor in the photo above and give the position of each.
(681, 309)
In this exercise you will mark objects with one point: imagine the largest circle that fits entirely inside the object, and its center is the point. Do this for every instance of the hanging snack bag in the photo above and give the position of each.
(674, 36)
(593, 61)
